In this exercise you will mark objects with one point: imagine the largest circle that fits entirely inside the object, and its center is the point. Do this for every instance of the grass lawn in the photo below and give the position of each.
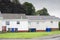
(27, 34)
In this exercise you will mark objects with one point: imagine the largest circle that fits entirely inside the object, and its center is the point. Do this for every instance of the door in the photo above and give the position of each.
(16, 29)
(32, 29)
(3, 28)
(9, 29)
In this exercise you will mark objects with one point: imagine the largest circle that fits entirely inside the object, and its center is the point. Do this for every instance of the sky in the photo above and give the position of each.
(53, 6)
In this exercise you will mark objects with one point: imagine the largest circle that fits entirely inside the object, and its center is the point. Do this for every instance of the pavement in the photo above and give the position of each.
(51, 37)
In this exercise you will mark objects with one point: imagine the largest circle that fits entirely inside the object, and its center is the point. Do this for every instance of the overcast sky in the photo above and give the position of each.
(53, 6)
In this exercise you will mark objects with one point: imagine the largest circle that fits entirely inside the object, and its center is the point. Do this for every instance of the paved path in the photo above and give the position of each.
(54, 37)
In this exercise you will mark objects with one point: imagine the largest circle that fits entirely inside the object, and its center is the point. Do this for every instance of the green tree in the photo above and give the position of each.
(59, 25)
(42, 12)
(30, 9)
(11, 6)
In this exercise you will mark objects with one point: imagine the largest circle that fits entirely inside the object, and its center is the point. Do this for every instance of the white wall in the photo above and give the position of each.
(43, 24)
(25, 25)
(0, 25)
(13, 24)
(48, 23)
(32, 25)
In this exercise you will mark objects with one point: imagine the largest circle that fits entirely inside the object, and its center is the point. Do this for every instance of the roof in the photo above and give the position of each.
(42, 18)
(23, 16)
(14, 16)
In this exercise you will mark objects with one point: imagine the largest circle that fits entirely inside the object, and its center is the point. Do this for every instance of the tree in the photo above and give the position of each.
(6, 6)
(59, 25)
(42, 12)
(30, 9)
(5, 1)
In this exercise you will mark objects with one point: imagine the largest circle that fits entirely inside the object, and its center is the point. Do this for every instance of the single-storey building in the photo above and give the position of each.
(24, 23)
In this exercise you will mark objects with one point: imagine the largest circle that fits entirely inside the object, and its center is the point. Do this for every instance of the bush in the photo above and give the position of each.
(59, 25)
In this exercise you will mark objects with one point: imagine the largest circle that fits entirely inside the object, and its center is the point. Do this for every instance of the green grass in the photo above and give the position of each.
(27, 34)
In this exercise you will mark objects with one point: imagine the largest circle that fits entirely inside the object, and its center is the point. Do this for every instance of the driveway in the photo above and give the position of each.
(53, 37)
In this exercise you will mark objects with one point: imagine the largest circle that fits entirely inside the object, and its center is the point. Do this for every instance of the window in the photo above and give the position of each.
(18, 22)
(7, 23)
(29, 22)
(51, 21)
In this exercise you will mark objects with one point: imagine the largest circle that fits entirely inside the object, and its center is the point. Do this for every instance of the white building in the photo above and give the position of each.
(24, 23)
(43, 22)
